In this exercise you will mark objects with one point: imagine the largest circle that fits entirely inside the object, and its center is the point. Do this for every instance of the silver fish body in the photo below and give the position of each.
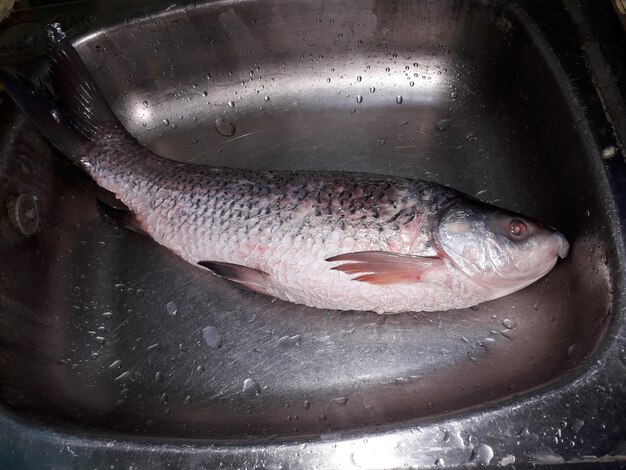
(325, 239)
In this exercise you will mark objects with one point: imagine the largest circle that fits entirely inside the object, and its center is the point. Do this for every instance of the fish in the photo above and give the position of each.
(325, 239)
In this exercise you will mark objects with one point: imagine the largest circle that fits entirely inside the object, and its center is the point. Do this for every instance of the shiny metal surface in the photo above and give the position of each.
(104, 331)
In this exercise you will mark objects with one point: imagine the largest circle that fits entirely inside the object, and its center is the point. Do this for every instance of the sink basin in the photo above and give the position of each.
(112, 349)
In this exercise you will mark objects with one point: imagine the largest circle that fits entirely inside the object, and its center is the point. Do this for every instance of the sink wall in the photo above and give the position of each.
(86, 338)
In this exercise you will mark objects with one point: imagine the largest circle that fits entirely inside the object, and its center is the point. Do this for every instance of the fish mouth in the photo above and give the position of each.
(563, 244)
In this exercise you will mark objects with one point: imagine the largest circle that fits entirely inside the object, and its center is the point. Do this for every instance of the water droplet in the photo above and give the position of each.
(100, 339)
(328, 80)
(266, 98)
(486, 343)
(251, 388)
(171, 308)
(508, 324)
(415, 64)
(290, 340)
(231, 104)
(359, 99)
(373, 89)
(116, 364)
(200, 369)
(470, 137)
(306, 405)
(94, 355)
(107, 314)
(411, 84)
(577, 425)
(223, 127)
(387, 69)
(123, 376)
(482, 454)
(443, 124)
(358, 79)
(212, 337)
(187, 401)
(166, 122)
(453, 95)
(369, 410)
(205, 94)
(399, 99)
(609, 152)
(164, 398)
(439, 462)
(158, 376)
(145, 103)
(341, 401)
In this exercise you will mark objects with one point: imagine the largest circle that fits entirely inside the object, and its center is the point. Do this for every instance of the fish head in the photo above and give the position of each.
(498, 249)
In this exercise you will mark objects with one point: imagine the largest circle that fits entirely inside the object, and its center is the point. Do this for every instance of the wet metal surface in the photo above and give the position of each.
(106, 330)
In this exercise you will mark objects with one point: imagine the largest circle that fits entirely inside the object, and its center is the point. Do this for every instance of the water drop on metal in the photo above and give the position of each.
(399, 99)
(359, 99)
(24, 214)
(225, 128)
(609, 152)
(482, 455)
(508, 324)
(212, 337)
(123, 376)
(231, 104)
(443, 124)
(166, 122)
(171, 308)
(251, 388)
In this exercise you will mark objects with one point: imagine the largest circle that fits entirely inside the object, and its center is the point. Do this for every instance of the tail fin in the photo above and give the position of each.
(71, 110)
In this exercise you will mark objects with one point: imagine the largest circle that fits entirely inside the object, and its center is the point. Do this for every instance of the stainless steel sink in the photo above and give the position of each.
(105, 355)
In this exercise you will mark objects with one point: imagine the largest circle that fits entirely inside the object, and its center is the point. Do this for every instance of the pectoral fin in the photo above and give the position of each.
(250, 278)
(382, 267)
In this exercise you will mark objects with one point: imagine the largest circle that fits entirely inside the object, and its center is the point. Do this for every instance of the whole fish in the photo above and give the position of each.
(333, 240)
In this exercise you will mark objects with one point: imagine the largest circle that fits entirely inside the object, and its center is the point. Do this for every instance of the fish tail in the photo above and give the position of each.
(68, 109)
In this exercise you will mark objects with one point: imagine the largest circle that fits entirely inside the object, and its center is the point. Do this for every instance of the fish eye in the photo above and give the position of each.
(518, 230)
